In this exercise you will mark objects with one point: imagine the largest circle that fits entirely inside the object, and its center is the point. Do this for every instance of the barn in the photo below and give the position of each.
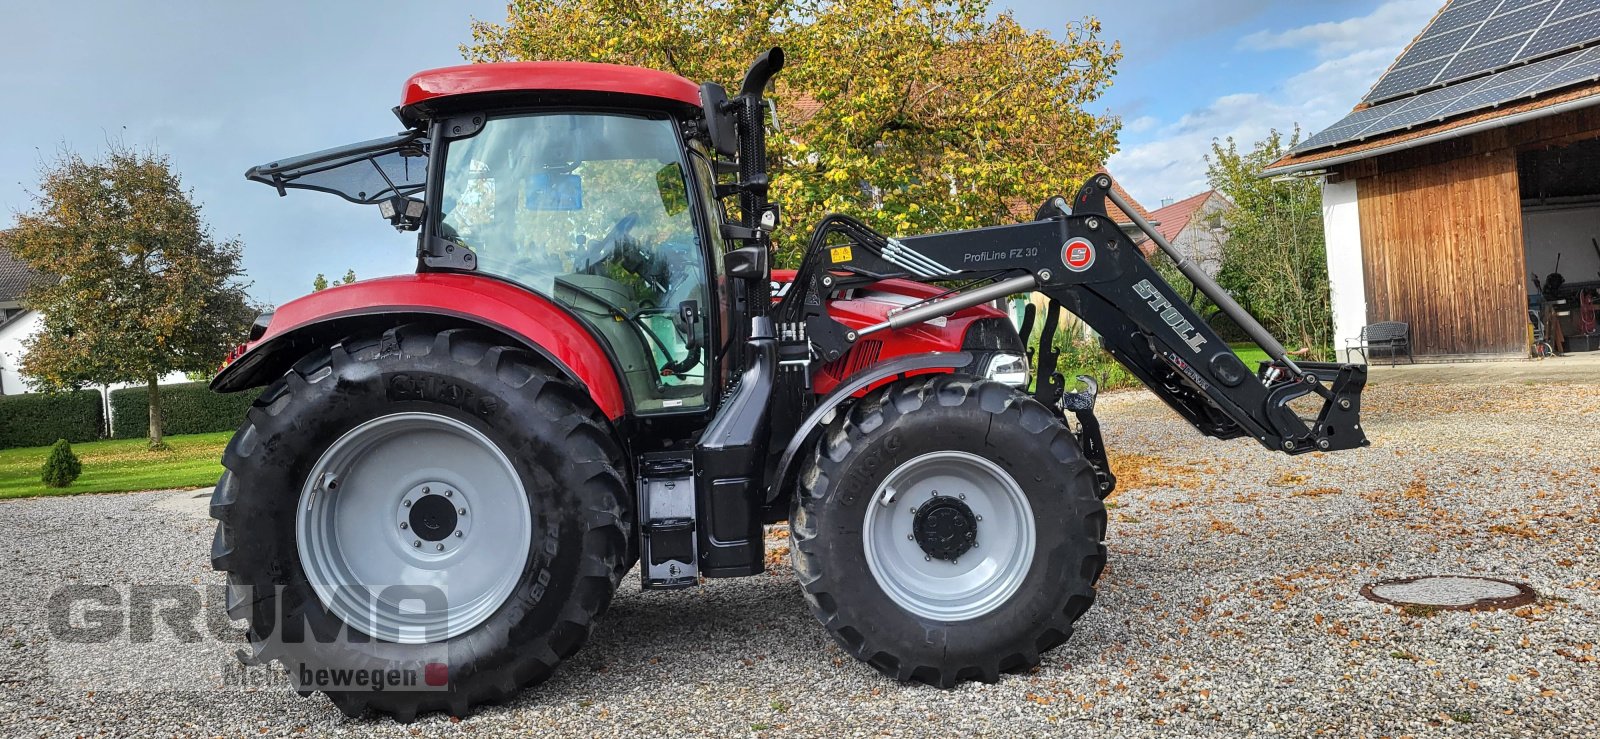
(1461, 196)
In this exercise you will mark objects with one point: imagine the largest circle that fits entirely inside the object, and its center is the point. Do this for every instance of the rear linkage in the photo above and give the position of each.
(1080, 260)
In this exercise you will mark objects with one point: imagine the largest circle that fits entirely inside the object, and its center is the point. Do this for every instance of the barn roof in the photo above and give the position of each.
(1449, 82)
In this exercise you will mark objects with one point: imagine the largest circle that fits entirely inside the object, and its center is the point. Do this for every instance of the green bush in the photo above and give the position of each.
(188, 408)
(39, 419)
(61, 467)
(1080, 356)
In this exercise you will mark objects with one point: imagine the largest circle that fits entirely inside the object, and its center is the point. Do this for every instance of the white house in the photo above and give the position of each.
(16, 323)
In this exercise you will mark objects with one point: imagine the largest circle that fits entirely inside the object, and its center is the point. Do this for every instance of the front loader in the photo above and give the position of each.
(595, 367)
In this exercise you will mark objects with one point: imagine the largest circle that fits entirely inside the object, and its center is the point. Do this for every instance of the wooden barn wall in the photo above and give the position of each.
(1442, 244)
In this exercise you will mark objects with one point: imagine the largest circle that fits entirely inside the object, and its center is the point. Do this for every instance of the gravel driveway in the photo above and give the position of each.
(1230, 606)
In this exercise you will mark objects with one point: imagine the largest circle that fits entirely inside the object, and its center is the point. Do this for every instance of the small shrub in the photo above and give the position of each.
(61, 467)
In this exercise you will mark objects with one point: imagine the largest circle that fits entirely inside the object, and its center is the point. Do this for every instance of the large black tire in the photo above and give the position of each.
(933, 414)
(560, 445)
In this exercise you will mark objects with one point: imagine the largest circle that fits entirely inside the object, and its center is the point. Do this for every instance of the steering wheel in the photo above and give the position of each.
(601, 249)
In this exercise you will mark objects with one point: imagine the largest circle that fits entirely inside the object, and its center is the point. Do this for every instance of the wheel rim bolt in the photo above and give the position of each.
(449, 493)
(980, 518)
(404, 525)
(911, 537)
(426, 491)
(963, 496)
(439, 547)
(927, 558)
(459, 534)
(407, 504)
(461, 511)
(417, 543)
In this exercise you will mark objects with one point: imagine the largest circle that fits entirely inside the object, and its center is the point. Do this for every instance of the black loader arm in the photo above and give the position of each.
(1079, 258)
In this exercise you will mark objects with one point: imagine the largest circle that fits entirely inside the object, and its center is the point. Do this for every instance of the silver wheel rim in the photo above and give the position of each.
(413, 527)
(981, 578)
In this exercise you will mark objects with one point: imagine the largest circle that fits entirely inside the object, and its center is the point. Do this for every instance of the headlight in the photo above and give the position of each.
(1011, 369)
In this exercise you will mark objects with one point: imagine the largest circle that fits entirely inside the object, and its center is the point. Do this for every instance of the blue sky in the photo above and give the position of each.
(221, 86)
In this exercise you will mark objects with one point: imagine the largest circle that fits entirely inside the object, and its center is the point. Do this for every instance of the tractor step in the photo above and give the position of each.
(667, 530)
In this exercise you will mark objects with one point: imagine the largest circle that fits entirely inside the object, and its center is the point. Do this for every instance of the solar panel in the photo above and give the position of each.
(1556, 36)
(1469, 38)
(1577, 65)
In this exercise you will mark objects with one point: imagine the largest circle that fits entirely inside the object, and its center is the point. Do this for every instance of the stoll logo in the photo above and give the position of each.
(1077, 254)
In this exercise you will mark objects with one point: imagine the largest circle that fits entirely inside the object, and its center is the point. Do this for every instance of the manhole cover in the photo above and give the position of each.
(1452, 592)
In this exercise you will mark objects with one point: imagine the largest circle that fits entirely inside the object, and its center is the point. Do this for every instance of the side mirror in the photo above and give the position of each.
(747, 263)
(721, 125)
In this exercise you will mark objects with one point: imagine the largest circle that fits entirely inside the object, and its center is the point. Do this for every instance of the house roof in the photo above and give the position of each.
(1534, 87)
(1172, 219)
(15, 277)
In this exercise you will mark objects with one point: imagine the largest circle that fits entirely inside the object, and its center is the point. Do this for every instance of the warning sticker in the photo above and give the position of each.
(1078, 254)
(840, 254)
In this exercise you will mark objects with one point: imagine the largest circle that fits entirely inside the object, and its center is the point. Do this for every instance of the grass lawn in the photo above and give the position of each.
(119, 465)
(1250, 353)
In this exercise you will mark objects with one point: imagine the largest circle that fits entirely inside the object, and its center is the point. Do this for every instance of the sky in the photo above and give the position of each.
(223, 86)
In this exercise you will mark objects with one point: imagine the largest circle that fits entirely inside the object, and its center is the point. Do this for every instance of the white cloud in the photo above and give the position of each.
(1349, 56)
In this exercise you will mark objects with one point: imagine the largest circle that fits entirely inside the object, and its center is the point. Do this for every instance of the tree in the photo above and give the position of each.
(1274, 260)
(321, 282)
(143, 290)
(61, 467)
(914, 115)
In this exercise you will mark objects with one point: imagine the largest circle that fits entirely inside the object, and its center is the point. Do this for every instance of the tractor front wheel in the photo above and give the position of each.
(421, 520)
(947, 529)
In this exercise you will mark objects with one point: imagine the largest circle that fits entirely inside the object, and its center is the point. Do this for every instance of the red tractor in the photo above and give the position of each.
(595, 366)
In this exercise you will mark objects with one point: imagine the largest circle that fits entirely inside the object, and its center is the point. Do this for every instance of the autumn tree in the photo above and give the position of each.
(915, 116)
(144, 289)
(1274, 259)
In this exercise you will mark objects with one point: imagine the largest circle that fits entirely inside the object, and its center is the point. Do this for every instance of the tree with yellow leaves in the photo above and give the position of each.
(915, 116)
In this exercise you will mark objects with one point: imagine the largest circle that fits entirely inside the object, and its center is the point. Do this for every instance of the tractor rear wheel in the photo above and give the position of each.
(947, 529)
(426, 509)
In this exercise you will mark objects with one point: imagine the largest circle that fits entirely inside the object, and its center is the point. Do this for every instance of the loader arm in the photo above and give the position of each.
(1075, 255)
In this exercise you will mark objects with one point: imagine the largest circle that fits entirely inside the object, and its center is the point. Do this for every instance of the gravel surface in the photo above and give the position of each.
(1230, 607)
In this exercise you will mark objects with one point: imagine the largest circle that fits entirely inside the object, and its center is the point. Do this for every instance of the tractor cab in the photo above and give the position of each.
(581, 183)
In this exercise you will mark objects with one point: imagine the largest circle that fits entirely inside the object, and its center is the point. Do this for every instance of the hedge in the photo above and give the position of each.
(188, 408)
(40, 419)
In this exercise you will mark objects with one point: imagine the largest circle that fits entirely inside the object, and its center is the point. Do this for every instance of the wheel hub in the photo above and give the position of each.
(413, 547)
(432, 519)
(945, 528)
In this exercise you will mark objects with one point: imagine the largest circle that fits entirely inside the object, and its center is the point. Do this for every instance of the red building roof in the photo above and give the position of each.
(1170, 220)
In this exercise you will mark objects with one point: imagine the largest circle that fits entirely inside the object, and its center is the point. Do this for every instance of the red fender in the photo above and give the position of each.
(543, 325)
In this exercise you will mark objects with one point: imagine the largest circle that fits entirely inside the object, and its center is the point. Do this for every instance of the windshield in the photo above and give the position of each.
(591, 210)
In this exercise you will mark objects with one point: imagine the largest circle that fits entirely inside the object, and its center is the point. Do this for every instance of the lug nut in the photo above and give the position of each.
(407, 504)
(461, 511)
(927, 558)
(459, 534)
(980, 518)
(427, 490)
(963, 496)
(438, 547)
(449, 493)
(417, 543)
(911, 537)
(404, 525)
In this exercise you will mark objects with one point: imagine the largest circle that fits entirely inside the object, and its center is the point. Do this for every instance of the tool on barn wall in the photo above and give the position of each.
(1554, 281)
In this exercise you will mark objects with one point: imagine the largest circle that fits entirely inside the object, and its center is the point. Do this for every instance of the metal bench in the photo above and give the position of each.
(1391, 336)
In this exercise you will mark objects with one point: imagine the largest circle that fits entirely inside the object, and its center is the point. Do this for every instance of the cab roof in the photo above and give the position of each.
(585, 78)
